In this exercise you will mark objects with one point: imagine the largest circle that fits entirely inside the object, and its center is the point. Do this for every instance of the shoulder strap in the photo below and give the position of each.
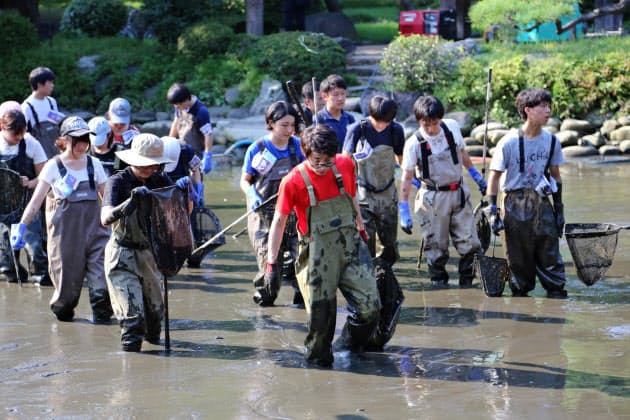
(22, 149)
(551, 150)
(293, 152)
(34, 114)
(50, 103)
(338, 179)
(521, 150)
(451, 142)
(309, 186)
(425, 152)
(62, 169)
(90, 171)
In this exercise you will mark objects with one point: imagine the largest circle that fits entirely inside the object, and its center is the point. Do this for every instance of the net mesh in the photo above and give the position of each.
(492, 272)
(483, 226)
(592, 247)
(14, 196)
(169, 228)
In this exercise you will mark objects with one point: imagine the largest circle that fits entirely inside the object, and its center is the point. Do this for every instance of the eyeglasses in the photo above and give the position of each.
(321, 164)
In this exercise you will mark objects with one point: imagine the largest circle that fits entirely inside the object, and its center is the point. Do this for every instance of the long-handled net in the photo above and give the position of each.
(592, 247)
(492, 272)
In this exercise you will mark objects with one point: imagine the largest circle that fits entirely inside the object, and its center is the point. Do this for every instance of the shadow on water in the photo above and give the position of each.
(464, 317)
(609, 290)
(461, 365)
(264, 322)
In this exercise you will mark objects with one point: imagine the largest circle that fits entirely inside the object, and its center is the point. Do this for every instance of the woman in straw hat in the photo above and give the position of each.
(133, 277)
(73, 182)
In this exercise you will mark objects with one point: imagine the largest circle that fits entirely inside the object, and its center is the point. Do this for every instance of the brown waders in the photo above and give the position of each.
(531, 241)
(329, 259)
(135, 283)
(76, 243)
(189, 133)
(444, 211)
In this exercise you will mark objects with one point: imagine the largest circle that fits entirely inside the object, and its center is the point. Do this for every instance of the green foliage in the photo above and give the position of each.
(213, 76)
(378, 32)
(94, 18)
(418, 63)
(372, 14)
(201, 39)
(506, 14)
(17, 32)
(283, 57)
(168, 19)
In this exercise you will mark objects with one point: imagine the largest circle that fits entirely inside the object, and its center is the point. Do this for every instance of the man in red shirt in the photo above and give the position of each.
(321, 190)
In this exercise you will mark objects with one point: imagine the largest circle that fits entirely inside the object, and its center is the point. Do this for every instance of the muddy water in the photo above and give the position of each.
(456, 353)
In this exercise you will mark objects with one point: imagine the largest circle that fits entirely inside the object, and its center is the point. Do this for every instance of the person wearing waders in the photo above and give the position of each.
(321, 192)
(266, 162)
(191, 123)
(133, 277)
(74, 183)
(22, 153)
(41, 110)
(103, 146)
(436, 152)
(530, 157)
(377, 143)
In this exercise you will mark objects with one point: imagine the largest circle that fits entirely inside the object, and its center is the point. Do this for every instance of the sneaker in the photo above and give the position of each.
(557, 294)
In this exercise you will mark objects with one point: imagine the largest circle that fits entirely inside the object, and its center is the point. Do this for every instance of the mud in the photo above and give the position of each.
(456, 353)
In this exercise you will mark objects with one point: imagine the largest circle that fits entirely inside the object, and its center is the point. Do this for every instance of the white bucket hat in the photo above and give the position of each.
(99, 128)
(172, 150)
(146, 150)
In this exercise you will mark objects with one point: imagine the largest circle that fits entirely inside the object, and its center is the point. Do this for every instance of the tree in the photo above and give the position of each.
(255, 17)
(27, 8)
(333, 6)
(616, 8)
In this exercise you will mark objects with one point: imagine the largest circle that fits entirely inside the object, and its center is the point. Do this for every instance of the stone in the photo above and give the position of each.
(609, 150)
(568, 137)
(554, 122)
(579, 151)
(624, 146)
(88, 63)
(142, 117)
(334, 24)
(464, 120)
(159, 128)
(475, 150)
(270, 92)
(231, 95)
(625, 120)
(608, 127)
(595, 140)
(163, 116)
(470, 141)
(583, 127)
(238, 113)
(553, 129)
(353, 104)
(492, 125)
(622, 133)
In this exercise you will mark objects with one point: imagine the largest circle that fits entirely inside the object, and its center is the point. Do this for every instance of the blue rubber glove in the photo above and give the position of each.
(206, 162)
(476, 176)
(416, 182)
(17, 236)
(183, 182)
(406, 222)
(199, 188)
(253, 197)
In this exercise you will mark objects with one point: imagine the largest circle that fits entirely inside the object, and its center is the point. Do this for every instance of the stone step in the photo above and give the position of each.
(363, 70)
(364, 59)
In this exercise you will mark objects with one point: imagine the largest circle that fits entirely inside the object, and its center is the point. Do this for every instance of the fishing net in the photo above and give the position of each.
(14, 196)
(492, 272)
(169, 228)
(205, 225)
(592, 247)
(483, 226)
(392, 298)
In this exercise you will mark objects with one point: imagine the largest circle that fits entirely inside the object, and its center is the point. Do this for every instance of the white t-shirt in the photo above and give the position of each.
(34, 149)
(50, 174)
(437, 144)
(506, 158)
(41, 106)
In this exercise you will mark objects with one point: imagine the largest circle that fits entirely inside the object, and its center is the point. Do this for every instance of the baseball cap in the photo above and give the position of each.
(9, 106)
(172, 150)
(74, 126)
(99, 128)
(120, 111)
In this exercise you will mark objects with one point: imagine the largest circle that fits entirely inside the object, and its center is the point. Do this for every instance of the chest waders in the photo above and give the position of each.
(329, 259)
(45, 132)
(76, 243)
(189, 132)
(531, 236)
(34, 234)
(259, 222)
(134, 282)
(378, 199)
(444, 211)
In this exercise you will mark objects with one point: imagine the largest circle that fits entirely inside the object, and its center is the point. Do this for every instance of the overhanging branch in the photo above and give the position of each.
(603, 11)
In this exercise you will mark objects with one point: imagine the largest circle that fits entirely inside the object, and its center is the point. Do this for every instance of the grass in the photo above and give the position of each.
(372, 14)
(377, 32)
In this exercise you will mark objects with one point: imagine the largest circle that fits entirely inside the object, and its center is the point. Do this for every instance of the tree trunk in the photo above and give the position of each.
(619, 7)
(27, 8)
(255, 17)
(333, 6)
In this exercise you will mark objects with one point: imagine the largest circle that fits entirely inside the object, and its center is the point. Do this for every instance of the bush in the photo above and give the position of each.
(204, 38)
(168, 19)
(297, 56)
(418, 63)
(17, 32)
(94, 18)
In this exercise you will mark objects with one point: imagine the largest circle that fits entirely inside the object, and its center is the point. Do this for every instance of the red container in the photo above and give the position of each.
(421, 22)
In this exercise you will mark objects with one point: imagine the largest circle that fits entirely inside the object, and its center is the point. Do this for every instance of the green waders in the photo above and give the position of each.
(134, 282)
(329, 259)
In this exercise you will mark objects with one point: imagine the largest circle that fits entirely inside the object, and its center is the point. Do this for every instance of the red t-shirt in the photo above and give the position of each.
(293, 193)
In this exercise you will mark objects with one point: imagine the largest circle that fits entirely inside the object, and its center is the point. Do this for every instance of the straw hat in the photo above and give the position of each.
(146, 150)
